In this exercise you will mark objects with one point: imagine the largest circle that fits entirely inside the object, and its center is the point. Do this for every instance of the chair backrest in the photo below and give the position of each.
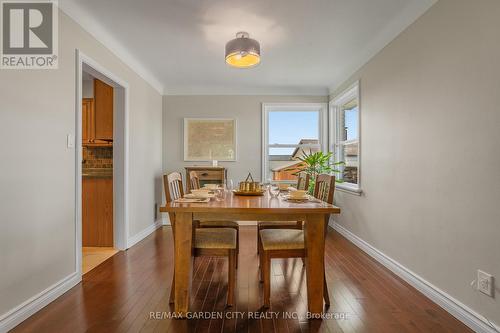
(195, 180)
(172, 184)
(303, 181)
(324, 188)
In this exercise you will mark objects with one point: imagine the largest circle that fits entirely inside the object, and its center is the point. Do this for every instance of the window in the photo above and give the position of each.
(345, 137)
(289, 130)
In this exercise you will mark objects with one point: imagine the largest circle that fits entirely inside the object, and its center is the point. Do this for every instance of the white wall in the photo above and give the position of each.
(247, 110)
(37, 171)
(87, 88)
(430, 131)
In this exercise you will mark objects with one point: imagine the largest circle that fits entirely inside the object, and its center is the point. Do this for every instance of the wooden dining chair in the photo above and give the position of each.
(302, 184)
(195, 180)
(289, 243)
(303, 181)
(212, 242)
(195, 185)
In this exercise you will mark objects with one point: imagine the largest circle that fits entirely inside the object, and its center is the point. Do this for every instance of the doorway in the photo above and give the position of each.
(101, 164)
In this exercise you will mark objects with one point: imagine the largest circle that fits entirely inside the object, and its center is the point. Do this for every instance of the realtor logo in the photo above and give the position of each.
(29, 34)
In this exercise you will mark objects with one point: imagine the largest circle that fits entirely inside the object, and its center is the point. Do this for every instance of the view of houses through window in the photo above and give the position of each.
(295, 130)
(290, 135)
(344, 113)
(349, 142)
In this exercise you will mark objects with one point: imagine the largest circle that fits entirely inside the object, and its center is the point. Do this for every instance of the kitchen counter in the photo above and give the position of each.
(97, 173)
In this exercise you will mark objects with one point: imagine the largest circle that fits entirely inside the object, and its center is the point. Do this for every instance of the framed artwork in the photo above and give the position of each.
(207, 139)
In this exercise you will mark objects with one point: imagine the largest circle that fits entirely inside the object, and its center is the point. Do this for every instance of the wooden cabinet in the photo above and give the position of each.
(87, 120)
(207, 175)
(103, 99)
(97, 211)
(97, 116)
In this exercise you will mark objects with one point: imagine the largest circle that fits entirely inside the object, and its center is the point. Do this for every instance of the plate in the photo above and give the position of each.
(192, 196)
(289, 198)
(192, 200)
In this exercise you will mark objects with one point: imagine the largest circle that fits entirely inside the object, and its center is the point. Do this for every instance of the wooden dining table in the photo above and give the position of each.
(315, 213)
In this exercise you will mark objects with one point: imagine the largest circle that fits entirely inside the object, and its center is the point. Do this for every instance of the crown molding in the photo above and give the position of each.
(392, 30)
(395, 27)
(96, 30)
(251, 90)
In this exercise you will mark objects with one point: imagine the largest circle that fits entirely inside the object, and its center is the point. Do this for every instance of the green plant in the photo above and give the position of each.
(317, 163)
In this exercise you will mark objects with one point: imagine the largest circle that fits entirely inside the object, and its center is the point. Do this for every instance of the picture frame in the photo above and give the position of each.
(209, 139)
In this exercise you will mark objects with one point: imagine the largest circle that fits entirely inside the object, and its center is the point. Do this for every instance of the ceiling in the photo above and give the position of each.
(307, 46)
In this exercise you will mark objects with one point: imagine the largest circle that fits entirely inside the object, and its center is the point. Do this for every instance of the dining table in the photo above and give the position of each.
(232, 207)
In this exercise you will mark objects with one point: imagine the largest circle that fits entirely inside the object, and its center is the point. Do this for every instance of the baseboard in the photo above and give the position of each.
(17, 315)
(131, 241)
(457, 309)
(25, 310)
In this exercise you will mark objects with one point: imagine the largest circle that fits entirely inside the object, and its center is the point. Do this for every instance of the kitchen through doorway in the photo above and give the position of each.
(102, 165)
(97, 172)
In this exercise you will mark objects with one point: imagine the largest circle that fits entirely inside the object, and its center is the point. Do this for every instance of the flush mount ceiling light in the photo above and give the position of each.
(242, 52)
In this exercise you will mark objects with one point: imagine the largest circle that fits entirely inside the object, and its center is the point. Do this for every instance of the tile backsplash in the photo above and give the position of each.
(97, 157)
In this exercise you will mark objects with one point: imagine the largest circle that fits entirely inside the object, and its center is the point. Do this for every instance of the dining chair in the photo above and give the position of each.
(302, 184)
(211, 242)
(303, 181)
(289, 243)
(195, 180)
(195, 185)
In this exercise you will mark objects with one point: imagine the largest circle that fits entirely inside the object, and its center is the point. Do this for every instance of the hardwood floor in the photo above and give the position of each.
(121, 294)
(94, 256)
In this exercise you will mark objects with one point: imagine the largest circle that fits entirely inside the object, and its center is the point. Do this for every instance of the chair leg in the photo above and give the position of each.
(259, 244)
(266, 272)
(171, 299)
(326, 296)
(237, 245)
(261, 263)
(231, 277)
(258, 238)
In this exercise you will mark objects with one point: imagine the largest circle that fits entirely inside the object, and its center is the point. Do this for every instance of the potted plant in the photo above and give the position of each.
(317, 163)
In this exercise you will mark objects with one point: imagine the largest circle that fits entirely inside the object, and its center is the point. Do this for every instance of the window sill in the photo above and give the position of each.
(347, 188)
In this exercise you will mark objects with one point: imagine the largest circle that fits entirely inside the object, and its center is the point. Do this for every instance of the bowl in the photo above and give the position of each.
(298, 194)
(211, 186)
(200, 193)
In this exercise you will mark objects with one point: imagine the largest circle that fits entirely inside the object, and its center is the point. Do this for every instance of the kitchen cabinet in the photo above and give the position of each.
(87, 120)
(97, 116)
(97, 211)
(103, 99)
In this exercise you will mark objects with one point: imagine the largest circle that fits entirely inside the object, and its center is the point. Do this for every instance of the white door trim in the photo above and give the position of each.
(121, 148)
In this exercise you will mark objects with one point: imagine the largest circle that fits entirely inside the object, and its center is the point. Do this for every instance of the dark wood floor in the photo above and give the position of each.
(120, 294)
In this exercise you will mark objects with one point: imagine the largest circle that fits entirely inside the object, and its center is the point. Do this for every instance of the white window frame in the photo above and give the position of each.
(334, 136)
(290, 107)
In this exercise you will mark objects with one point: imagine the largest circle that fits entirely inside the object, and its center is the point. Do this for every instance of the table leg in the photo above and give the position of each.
(183, 261)
(315, 246)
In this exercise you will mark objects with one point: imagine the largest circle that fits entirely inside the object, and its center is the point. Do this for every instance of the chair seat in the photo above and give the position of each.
(278, 224)
(214, 224)
(282, 239)
(215, 238)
